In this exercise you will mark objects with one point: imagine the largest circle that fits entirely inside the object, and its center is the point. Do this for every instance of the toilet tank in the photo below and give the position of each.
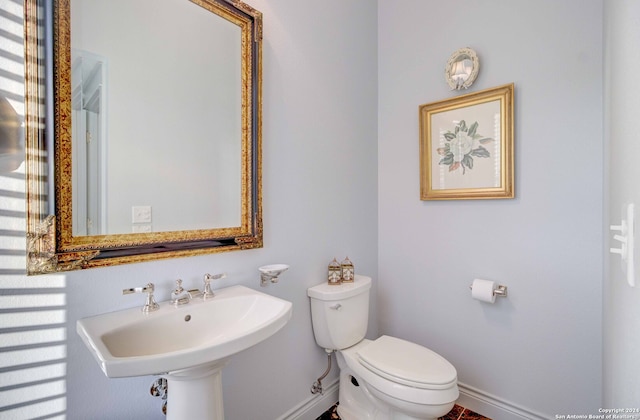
(340, 313)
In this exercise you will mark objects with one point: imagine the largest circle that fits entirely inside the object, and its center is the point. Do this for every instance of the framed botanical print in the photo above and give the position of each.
(466, 146)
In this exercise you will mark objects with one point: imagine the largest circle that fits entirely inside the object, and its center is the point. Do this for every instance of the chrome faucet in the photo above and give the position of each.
(179, 296)
(208, 293)
(150, 304)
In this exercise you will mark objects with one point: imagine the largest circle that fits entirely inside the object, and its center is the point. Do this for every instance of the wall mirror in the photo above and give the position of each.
(462, 69)
(143, 130)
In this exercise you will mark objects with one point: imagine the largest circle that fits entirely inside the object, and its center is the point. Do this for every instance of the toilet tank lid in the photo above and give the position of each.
(327, 291)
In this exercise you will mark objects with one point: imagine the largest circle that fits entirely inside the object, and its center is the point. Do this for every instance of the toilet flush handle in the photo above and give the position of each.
(336, 307)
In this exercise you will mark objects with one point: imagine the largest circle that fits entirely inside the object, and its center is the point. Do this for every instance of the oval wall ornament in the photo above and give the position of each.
(462, 69)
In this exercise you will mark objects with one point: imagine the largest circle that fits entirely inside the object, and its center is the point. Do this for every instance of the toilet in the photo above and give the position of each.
(383, 379)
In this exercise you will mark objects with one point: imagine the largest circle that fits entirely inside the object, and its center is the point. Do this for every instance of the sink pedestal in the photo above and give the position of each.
(196, 393)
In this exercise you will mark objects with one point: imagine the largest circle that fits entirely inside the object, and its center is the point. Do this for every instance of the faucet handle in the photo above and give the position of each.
(207, 292)
(209, 277)
(150, 287)
(150, 304)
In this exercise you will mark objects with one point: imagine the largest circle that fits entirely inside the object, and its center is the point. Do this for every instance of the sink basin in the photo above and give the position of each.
(170, 339)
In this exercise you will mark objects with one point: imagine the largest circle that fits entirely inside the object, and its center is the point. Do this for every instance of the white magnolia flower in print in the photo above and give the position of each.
(462, 145)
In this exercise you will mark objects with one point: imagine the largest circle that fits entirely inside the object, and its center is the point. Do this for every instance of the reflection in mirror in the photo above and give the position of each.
(163, 111)
(461, 70)
(88, 117)
(157, 126)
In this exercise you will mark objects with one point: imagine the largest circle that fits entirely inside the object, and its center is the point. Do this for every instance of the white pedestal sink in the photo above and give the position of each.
(189, 345)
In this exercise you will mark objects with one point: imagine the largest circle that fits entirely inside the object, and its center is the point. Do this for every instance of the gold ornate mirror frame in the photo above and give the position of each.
(51, 246)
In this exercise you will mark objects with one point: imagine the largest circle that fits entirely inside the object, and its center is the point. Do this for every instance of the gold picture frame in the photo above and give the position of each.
(466, 146)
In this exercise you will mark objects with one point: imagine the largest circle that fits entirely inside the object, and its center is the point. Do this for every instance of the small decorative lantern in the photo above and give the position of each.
(348, 272)
(334, 277)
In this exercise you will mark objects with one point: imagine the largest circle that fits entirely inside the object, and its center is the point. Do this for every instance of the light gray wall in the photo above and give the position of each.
(320, 202)
(539, 349)
(163, 128)
(622, 303)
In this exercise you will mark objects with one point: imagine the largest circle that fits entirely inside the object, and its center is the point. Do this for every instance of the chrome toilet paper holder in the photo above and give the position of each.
(500, 291)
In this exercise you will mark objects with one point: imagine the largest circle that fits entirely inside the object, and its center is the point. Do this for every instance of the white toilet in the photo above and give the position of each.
(383, 379)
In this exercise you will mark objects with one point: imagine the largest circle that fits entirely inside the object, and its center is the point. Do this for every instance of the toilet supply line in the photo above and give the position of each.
(317, 385)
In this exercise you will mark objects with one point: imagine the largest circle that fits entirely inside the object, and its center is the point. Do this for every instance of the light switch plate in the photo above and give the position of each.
(141, 214)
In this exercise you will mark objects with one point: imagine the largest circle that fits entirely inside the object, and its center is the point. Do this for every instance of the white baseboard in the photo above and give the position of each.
(493, 407)
(315, 405)
(472, 398)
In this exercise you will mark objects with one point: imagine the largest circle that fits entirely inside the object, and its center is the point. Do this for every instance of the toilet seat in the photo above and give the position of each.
(407, 363)
(390, 385)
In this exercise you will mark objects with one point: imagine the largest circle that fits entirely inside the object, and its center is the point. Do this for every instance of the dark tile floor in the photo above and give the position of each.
(457, 413)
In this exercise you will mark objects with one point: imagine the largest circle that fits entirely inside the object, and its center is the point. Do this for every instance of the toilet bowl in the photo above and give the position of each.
(383, 379)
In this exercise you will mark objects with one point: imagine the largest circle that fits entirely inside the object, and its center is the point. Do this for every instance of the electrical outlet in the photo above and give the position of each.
(141, 214)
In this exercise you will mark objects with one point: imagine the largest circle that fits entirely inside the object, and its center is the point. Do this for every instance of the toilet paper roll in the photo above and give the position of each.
(482, 290)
